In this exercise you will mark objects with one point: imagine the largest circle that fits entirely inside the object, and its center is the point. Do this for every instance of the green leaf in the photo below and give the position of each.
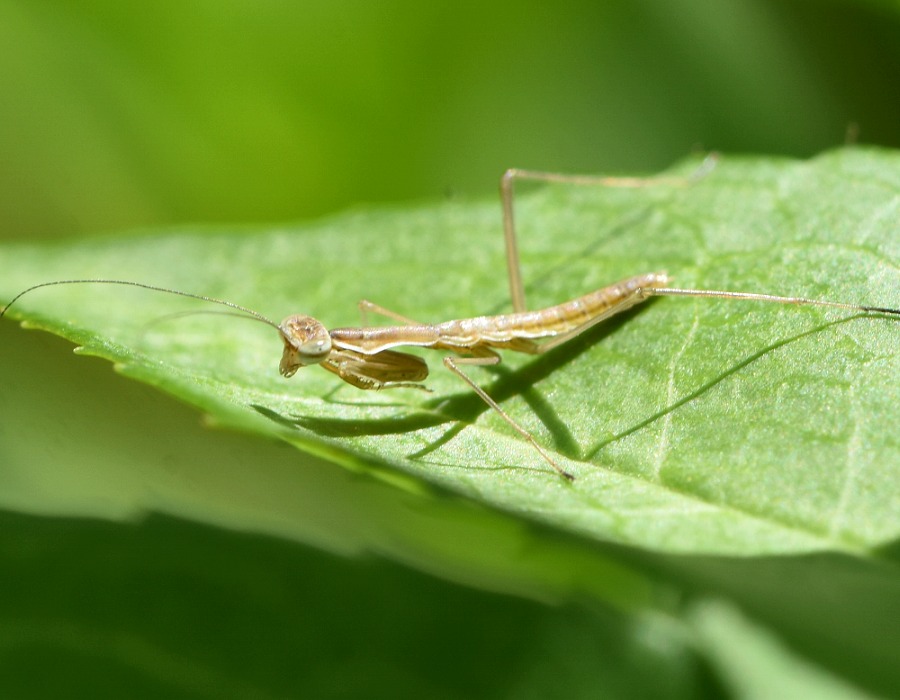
(692, 425)
(753, 663)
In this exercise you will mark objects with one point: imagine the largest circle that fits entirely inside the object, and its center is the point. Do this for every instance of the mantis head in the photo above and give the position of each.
(306, 342)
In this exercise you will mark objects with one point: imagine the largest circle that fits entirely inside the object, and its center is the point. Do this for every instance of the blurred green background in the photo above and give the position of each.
(118, 115)
(123, 114)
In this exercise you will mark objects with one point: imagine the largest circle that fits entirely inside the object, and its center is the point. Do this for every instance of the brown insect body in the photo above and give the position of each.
(364, 357)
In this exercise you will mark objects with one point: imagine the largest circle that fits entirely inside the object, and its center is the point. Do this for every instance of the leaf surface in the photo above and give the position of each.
(693, 425)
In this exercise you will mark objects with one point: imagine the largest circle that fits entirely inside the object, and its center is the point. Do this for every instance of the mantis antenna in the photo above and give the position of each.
(230, 304)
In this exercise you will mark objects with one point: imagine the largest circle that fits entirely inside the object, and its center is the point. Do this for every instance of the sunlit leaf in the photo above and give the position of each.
(692, 425)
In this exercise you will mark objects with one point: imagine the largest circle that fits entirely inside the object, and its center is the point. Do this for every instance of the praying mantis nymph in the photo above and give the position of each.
(366, 357)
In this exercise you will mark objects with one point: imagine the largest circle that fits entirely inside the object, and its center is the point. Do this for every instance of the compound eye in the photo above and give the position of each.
(316, 349)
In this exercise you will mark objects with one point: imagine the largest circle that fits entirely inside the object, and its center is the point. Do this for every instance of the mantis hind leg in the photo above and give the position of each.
(507, 196)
